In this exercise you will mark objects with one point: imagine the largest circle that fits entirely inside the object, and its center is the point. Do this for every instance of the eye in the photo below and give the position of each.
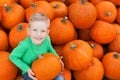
(43, 31)
(34, 29)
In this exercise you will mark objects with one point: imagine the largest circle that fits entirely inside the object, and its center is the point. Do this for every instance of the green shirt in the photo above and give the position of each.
(26, 52)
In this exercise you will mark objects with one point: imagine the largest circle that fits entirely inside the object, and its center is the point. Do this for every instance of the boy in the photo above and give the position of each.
(37, 43)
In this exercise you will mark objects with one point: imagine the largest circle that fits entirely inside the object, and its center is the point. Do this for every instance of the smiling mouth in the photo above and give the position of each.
(38, 38)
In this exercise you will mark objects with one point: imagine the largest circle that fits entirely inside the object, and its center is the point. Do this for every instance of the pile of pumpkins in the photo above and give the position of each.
(86, 33)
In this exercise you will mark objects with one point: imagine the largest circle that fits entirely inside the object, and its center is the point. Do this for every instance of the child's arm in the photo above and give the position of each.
(16, 56)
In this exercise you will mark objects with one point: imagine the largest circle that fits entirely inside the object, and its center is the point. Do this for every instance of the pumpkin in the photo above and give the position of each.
(97, 49)
(46, 67)
(106, 13)
(82, 14)
(111, 63)
(18, 33)
(3, 40)
(12, 14)
(95, 1)
(116, 2)
(114, 45)
(77, 54)
(60, 8)
(40, 6)
(2, 2)
(94, 71)
(62, 31)
(72, 1)
(117, 27)
(67, 74)
(118, 15)
(8, 70)
(102, 32)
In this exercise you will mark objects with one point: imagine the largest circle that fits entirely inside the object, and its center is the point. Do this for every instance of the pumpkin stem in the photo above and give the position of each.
(92, 45)
(20, 27)
(8, 9)
(108, 13)
(33, 5)
(73, 46)
(40, 56)
(82, 2)
(55, 6)
(116, 55)
(64, 19)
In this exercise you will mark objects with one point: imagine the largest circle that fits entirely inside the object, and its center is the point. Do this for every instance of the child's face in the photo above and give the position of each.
(38, 32)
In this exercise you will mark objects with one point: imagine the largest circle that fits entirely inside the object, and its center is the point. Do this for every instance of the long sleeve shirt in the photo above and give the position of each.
(26, 52)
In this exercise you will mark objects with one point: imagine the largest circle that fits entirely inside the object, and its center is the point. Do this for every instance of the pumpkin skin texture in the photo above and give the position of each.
(82, 14)
(114, 45)
(40, 6)
(18, 33)
(97, 49)
(94, 71)
(12, 14)
(62, 31)
(111, 63)
(60, 8)
(3, 40)
(106, 13)
(67, 74)
(8, 70)
(47, 67)
(116, 2)
(102, 32)
(77, 54)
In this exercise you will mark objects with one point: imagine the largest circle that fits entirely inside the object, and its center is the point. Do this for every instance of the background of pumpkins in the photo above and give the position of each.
(88, 37)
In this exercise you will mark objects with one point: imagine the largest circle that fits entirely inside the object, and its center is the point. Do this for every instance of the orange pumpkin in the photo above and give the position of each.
(8, 70)
(94, 71)
(97, 49)
(67, 74)
(62, 31)
(106, 13)
(77, 54)
(2, 2)
(95, 1)
(117, 27)
(46, 67)
(18, 33)
(82, 14)
(111, 63)
(3, 40)
(12, 14)
(102, 32)
(60, 8)
(114, 45)
(58, 49)
(40, 6)
(116, 2)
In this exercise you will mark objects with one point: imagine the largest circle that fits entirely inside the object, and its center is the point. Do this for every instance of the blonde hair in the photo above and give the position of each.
(38, 16)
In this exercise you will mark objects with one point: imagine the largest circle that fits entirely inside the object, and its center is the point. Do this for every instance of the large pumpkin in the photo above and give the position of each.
(47, 67)
(106, 13)
(82, 14)
(94, 71)
(77, 54)
(8, 70)
(62, 31)
(12, 14)
(40, 6)
(18, 33)
(102, 32)
(111, 63)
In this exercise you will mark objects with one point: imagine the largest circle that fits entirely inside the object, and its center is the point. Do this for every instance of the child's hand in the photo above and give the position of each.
(31, 74)
(62, 62)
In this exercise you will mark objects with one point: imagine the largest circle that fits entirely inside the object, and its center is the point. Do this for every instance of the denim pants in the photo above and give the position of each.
(59, 77)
